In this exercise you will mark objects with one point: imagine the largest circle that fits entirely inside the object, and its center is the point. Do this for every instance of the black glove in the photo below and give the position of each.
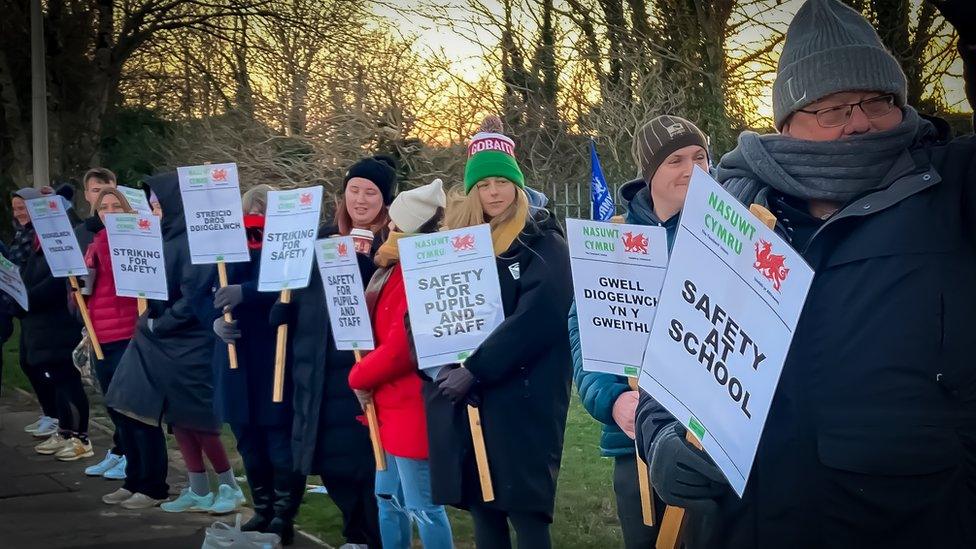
(456, 384)
(228, 332)
(281, 313)
(228, 297)
(682, 474)
(961, 14)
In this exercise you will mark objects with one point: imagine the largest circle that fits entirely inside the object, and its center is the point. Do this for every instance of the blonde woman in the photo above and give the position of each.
(520, 376)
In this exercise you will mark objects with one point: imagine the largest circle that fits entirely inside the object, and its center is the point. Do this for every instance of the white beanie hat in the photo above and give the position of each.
(411, 209)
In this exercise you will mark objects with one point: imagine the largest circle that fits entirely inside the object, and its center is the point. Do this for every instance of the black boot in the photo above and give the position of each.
(288, 491)
(262, 497)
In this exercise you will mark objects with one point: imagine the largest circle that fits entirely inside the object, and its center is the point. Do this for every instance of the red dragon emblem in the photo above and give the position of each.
(143, 224)
(635, 243)
(462, 243)
(219, 175)
(305, 199)
(342, 249)
(52, 205)
(770, 265)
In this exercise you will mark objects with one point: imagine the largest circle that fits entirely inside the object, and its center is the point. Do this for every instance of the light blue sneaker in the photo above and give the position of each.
(188, 501)
(228, 500)
(117, 472)
(111, 461)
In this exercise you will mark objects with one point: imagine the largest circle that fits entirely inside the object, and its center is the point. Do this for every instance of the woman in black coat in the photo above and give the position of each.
(328, 437)
(519, 376)
(243, 396)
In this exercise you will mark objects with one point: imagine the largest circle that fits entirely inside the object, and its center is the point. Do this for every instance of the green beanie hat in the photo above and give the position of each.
(491, 154)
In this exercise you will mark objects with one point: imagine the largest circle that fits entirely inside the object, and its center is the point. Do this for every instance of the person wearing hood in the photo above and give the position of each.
(666, 151)
(870, 439)
(327, 438)
(166, 374)
(243, 396)
(48, 337)
(387, 376)
(21, 246)
(113, 318)
(520, 375)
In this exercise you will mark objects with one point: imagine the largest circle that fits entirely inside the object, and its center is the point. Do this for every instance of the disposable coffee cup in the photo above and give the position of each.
(363, 240)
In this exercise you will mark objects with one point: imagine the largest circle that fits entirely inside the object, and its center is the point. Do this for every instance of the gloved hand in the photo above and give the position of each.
(228, 297)
(281, 313)
(961, 14)
(682, 474)
(455, 384)
(228, 332)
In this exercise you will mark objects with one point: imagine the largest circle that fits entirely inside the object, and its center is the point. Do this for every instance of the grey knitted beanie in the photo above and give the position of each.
(831, 48)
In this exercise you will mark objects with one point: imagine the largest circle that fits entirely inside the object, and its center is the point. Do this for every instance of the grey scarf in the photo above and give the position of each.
(827, 170)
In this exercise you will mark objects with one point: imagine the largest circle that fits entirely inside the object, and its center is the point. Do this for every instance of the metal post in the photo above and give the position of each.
(39, 97)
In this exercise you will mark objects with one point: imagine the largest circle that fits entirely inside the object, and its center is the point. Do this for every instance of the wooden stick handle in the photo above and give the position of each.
(643, 478)
(673, 524)
(80, 300)
(374, 427)
(281, 346)
(142, 305)
(231, 348)
(481, 454)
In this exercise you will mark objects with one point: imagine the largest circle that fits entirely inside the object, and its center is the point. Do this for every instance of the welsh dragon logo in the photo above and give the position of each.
(770, 265)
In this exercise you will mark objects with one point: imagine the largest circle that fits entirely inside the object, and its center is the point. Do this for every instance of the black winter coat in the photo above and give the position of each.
(168, 372)
(524, 371)
(871, 437)
(48, 331)
(244, 396)
(327, 438)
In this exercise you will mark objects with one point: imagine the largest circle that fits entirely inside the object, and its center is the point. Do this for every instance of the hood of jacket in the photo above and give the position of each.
(166, 186)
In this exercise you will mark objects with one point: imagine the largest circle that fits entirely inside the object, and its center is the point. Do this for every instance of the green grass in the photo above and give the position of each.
(585, 516)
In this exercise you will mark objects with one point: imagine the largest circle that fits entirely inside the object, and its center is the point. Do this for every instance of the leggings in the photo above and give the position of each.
(70, 399)
(41, 384)
(194, 444)
(491, 528)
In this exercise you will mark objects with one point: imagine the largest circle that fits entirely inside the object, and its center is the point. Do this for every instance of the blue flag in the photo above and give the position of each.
(602, 202)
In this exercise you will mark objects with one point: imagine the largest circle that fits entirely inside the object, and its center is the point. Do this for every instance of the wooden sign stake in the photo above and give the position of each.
(643, 479)
(374, 427)
(281, 346)
(231, 348)
(481, 454)
(142, 305)
(674, 517)
(80, 300)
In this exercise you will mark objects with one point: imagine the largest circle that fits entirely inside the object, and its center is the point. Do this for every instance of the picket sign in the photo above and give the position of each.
(63, 254)
(374, 426)
(12, 284)
(443, 276)
(292, 219)
(673, 523)
(214, 222)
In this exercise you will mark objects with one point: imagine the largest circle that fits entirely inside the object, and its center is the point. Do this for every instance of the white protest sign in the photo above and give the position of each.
(136, 247)
(618, 271)
(731, 300)
(344, 295)
(212, 207)
(453, 294)
(136, 198)
(11, 283)
(291, 223)
(61, 250)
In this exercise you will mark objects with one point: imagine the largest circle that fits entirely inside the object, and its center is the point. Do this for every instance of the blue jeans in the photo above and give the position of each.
(403, 495)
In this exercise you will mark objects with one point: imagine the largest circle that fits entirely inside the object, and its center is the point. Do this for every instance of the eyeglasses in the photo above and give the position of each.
(872, 107)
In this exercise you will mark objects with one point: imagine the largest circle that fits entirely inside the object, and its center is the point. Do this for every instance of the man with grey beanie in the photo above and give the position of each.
(871, 437)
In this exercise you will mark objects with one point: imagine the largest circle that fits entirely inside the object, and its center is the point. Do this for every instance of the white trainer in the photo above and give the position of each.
(140, 501)
(117, 496)
(97, 470)
(51, 446)
(48, 427)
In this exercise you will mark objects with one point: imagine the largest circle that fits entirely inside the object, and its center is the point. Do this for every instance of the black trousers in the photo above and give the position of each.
(353, 494)
(41, 384)
(627, 489)
(491, 528)
(146, 459)
(104, 371)
(264, 449)
(71, 402)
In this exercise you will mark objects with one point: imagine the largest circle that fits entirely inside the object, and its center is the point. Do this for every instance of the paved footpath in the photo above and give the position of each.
(48, 504)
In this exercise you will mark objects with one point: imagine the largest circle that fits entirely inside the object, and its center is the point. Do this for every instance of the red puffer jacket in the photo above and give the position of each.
(113, 317)
(391, 374)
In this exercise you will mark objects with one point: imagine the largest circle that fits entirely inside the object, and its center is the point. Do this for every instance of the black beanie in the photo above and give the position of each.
(381, 170)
